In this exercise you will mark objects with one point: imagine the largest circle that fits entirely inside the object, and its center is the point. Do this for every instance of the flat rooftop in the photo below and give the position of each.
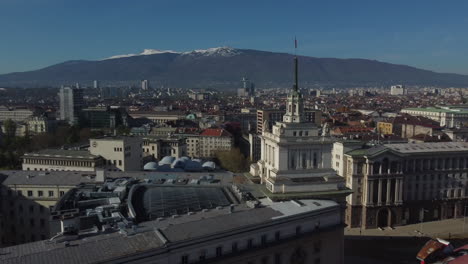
(158, 236)
(61, 153)
(73, 178)
(429, 147)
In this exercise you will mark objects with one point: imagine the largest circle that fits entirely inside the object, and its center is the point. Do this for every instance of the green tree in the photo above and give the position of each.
(10, 128)
(233, 160)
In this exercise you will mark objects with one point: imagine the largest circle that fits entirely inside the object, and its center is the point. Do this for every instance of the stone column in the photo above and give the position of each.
(436, 164)
(369, 196)
(400, 194)
(397, 191)
(389, 185)
(379, 196)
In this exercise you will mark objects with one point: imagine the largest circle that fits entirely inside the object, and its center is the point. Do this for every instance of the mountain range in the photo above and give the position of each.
(224, 67)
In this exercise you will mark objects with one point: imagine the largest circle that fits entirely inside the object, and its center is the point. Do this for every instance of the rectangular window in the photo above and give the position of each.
(40, 193)
(234, 247)
(51, 193)
(278, 258)
(264, 240)
(30, 193)
(298, 230)
(317, 246)
(31, 208)
(120, 162)
(184, 259)
(62, 193)
(202, 255)
(277, 235)
(250, 243)
(219, 251)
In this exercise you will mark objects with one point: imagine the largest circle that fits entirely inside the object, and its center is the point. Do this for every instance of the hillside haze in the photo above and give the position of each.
(224, 67)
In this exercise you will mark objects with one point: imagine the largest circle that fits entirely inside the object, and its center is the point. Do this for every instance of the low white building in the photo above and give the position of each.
(122, 153)
(61, 160)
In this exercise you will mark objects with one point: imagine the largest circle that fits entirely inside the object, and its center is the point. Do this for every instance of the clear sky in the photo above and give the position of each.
(423, 33)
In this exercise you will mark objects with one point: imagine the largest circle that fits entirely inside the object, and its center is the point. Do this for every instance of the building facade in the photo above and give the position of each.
(167, 146)
(244, 231)
(447, 116)
(15, 114)
(26, 200)
(119, 153)
(71, 103)
(61, 160)
(398, 90)
(294, 158)
(396, 184)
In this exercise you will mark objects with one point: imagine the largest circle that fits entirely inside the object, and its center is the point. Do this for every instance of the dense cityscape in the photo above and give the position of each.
(233, 155)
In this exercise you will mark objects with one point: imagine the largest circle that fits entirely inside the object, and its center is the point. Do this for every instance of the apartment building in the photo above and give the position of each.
(208, 142)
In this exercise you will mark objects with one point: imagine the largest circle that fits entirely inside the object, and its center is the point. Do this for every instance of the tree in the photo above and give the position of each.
(232, 160)
(10, 128)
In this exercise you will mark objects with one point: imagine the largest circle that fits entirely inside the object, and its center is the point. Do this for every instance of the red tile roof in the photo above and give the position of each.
(215, 132)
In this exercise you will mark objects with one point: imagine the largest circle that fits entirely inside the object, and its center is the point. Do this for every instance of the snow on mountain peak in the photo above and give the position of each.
(145, 52)
(219, 51)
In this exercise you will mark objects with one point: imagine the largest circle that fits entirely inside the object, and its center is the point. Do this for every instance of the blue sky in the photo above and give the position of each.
(423, 33)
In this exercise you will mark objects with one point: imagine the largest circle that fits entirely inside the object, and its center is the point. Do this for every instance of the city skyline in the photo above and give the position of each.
(49, 32)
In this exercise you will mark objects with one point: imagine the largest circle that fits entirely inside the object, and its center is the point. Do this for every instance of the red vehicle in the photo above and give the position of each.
(439, 251)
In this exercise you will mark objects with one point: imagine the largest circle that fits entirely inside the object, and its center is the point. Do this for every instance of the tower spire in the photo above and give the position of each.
(296, 83)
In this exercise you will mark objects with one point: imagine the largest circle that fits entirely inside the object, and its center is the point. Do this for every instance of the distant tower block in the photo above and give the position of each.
(145, 85)
(248, 88)
(398, 90)
(96, 84)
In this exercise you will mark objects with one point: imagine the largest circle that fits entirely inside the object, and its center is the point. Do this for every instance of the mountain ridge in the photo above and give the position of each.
(224, 67)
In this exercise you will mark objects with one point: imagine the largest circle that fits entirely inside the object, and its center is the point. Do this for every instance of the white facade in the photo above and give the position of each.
(122, 153)
(447, 116)
(294, 158)
(398, 90)
(16, 115)
(144, 85)
(71, 103)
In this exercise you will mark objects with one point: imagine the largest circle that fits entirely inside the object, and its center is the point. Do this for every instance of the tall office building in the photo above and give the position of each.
(144, 85)
(248, 88)
(96, 84)
(71, 103)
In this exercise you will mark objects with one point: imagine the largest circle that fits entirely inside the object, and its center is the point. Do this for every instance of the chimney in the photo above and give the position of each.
(100, 175)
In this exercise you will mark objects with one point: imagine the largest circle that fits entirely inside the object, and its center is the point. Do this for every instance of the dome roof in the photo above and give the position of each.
(193, 166)
(150, 166)
(166, 160)
(179, 163)
(209, 165)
